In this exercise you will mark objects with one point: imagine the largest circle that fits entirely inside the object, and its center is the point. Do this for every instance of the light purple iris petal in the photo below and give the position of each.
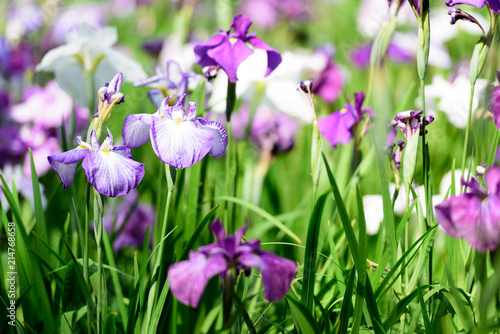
(273, 56)
(329, 84)
(277, 272)
(156, 97)
(65, 164)
(191, 112)
(485, 235)
(458, 214)
(336, 128)
(135, 131)
(111, 173)
(202, 49)
(187, 279)
(220, 136)
(180, 144)
(229, 55)
(475, 3)
(174, 72)
(492, 180)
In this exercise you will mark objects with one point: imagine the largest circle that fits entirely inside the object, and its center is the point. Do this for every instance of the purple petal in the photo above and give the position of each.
(218, 229)
(336, 128)
(135, 131)
(156, 96)
(65, 164)
(187, 279)
(116, 83)
(111, 173)
(329, 84)
(475, 3)
(220, 136)
(180, 144)
(174, 72)
(229, 55)
(149, 81)
(277, 272)
(191, 112)
(201, 50)
(240, 24)
(273, 56)
(492, 180)
(360, 56)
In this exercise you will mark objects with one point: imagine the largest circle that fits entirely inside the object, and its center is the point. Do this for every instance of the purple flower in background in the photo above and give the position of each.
(173, 82)
(410, 122)
(15, 59)
(271, 130)
(187, 279)
(339, 127)
(42, 143)
(111, 170)
(361, 55)
(330, 81)
(495, 102)
(267, 13)
(132, 220)
(178, 137)
(474, 215)
(228, 50)
(12, 147)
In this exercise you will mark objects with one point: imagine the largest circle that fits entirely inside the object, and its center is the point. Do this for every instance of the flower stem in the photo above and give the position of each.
(493, 149)
(467, 129)
(231, 99)
(154, 292)
(227, 296)
(98, 212)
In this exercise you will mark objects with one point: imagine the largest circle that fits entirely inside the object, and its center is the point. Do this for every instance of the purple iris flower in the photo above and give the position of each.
(174, 80)
(267, 13)
(495, 102)
(474, 215)
(14, 60)
(361, 55)
(178, 137)
(12, 147)
(493, 4)
(187, 279)
(229, 50)
(339, 127)
(111, 170)
(410, 122)
(271, 130)
(132, 220)
(330, 81)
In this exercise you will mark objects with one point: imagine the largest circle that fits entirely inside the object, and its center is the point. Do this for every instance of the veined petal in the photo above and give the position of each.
(201, 50)
(220, 136)
(229, 55)
(277, 272)
(174, 72)
(180, 144)
(187, 279)
(273, 56)
(475, 3)
(65, 164)
(111, 173)
(135, 131)
(156, 97)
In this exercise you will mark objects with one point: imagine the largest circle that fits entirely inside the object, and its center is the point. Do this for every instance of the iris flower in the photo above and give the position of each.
(228, 50)
(339, 126)
(179, 138)
(187, 279)
(474, 215)
(111, 170)
(494, 5)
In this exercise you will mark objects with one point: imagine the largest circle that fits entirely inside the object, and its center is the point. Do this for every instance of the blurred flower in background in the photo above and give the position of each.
(267, 13)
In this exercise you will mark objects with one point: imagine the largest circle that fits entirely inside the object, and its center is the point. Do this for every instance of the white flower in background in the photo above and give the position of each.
(88, 50)
(453, 98)
(373, 204)
(280, 86)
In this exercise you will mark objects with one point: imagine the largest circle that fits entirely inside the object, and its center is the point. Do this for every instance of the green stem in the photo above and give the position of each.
(493, 149)
(98, 212)
(231, 99)
(227, 296)
(467, 129)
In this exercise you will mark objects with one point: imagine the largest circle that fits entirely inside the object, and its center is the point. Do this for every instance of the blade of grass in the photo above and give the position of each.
(346, 309)
(302, 317)
(310, 254)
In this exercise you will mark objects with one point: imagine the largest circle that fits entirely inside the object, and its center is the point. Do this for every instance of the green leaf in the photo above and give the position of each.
(310, 254)
(371, 305)
(262, 213)
(304, 321)
(346, 309)
(37, 198)
(427, 323)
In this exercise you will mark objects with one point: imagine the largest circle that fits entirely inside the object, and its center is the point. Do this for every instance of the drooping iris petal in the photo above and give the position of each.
(111, 173)
(277, 272)
(201, 50)
(65, 164)
(187, 279)
(229, 55)
(135, 131)
(220, 136)
(458, 214)
(492, 180)
(273, 56)
(336, 128)
(180, 144)
(486, 234)
(475, 3)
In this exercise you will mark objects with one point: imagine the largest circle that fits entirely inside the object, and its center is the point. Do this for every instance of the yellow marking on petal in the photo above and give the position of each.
(86, 146)
(343, 110)
(232, 40)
